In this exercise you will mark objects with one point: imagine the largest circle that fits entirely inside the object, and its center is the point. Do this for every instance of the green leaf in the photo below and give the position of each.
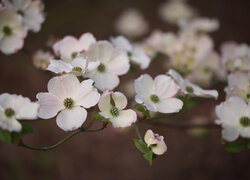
(143, 110)
(141, 146)
(26, 129)
(5, 136)
(149, 157)
(223, 141)
(188, 103)
(100, 118)
(248, 143)
(236, 146)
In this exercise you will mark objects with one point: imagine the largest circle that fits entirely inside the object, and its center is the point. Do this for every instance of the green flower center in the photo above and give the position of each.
(114, 111)
(68, 103)
(101, 68)
(78, 69)
(189, 89)
(20, 12)
(7, 31)
(73, 55)
(154, 98)
(245, 121)
(248, 96)
(9, 112)
(129, 54)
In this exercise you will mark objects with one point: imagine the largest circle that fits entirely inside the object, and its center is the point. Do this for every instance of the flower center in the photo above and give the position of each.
(7, 31)
(114, 111)
(189, 89)
(9, 112)
(73, 55)
(78, 69)
(20, 12)
(129, 54)
(245, 121)
(248, 96)
(101, 68)
(154, 98)
(68, 103)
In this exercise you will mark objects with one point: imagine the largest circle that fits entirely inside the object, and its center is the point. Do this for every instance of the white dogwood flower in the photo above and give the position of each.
(30, 11)
(14, 108)
(155, 142)
(41, 59)
(69, 47)
(12, 32)
(234, 116)
(78, 66)
(132, 23)
(68, 98)
(189, 88)
(175, 11)
(113, 63)
(239, 84)
(158, 94)
(135, 53)
(114, 109)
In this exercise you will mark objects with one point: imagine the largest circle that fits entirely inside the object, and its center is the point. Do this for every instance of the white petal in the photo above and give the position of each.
(125, 119)
(9, 124)
(120, 100)
(149, 137)
(65, 86)
(144, 85)
(59, 66)
(230, 133)
(100, 51)
(245, 132)
(50, 105)
(105, 81)
(104, 103)
(80, 61)
(170, 105)
(165, 87)
(88, 95)
(11, 44)
(160, 148)
(122, 43)
(86, 40)
(140, 57)
(71, 119)
(119, 63)
(28, 111)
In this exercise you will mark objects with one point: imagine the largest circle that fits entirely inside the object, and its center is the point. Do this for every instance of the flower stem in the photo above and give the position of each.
(137, 131)
(80, 130)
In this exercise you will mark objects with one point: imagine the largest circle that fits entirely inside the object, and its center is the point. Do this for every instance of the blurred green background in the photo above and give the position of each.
(111, 154)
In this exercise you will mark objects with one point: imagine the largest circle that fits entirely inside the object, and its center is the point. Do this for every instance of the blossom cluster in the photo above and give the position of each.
(17, 17)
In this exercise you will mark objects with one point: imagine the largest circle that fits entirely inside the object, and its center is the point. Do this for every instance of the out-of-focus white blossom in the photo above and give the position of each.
(115, 112)
(158, 94)
(200, 25)
(189, 88)
(135, 53)
(234, 116)
(131, 23)
(14, 108)
(236, 57)
(30, 11)
(12, 31)
(239, 84)
(41, 59)
(69, 47)
(176, 11)
(78, 66)
(113, 63)
(68, 98)
(155, 142)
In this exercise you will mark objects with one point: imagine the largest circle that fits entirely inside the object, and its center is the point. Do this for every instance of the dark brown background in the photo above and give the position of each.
(110, 154)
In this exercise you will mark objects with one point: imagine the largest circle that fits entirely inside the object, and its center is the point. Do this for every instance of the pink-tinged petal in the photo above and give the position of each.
(71, 119)
(59, 66)
(165, 87)
(120, 100)
(50, 105)
(125, 119)
(65, 86)
(144, 85)
(170, 105)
